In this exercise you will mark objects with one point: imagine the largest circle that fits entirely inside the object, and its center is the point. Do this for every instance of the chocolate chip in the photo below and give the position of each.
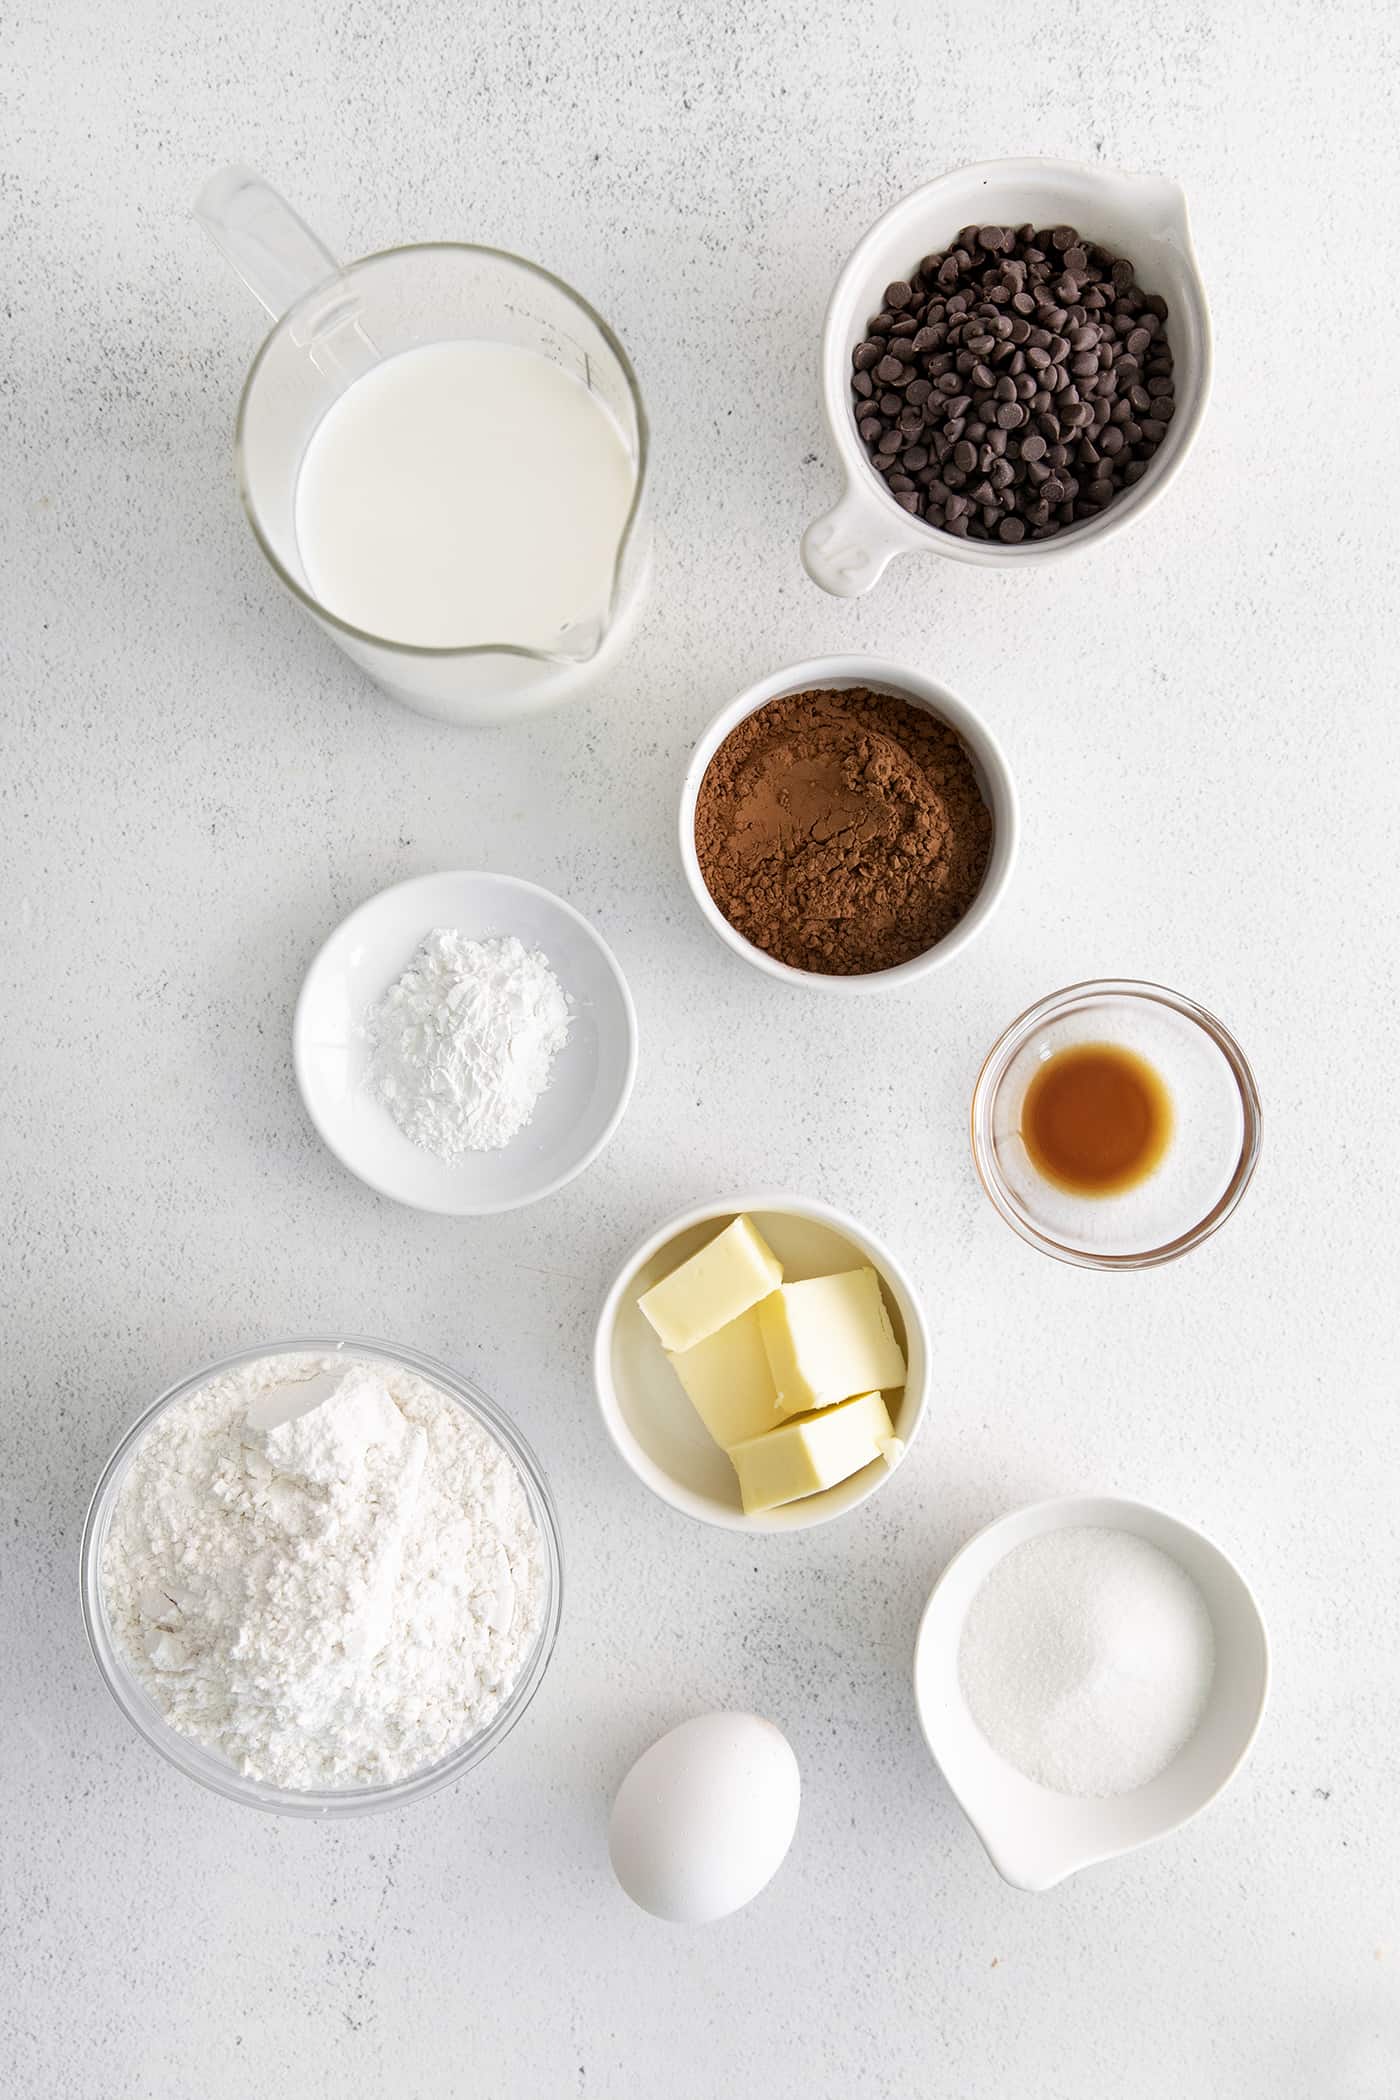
(1035, 332)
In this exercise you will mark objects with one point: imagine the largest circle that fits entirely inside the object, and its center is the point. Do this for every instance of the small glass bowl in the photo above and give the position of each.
(215, 1772)
(1206, 1168)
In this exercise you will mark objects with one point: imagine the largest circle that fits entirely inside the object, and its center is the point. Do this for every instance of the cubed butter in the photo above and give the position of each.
(731, 1273)
(814, 1452)
(828, 1338)
(728, 1381)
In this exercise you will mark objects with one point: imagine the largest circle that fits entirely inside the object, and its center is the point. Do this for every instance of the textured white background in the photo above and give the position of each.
(195, 787)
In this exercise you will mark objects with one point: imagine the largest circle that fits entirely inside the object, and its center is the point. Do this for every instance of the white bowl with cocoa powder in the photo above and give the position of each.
(989, 767)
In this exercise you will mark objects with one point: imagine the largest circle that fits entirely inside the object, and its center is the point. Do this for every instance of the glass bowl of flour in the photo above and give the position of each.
(322, 1577)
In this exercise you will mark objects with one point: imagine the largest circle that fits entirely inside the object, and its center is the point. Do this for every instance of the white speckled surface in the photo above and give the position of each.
(194, 787)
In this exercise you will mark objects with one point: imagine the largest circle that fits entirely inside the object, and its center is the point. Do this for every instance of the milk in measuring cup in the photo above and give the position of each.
(465, 493)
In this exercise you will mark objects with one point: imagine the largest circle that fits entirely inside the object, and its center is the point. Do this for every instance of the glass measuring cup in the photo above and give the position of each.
(335, 322)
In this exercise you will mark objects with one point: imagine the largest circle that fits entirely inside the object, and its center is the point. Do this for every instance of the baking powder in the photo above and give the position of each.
(463, 1045)
(325, 1570)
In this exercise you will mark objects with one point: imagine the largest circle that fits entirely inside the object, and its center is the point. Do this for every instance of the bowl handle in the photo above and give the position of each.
(843, 552)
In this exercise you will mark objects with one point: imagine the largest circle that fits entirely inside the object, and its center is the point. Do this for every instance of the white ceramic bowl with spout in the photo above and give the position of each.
(1033, 1836)
(1143, 217)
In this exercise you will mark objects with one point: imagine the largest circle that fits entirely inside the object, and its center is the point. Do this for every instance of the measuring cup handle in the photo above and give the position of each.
(275, 253)
(842, 553)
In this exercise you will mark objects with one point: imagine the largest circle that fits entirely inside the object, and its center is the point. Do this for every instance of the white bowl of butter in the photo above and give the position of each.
(730, 1387)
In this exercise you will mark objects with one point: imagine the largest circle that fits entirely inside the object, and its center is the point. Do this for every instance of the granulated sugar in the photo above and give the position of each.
(1087, 1659)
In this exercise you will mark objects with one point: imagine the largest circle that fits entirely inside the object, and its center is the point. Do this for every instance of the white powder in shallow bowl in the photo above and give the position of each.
(323, 1569)
(463, 1045)
(1086, 1660)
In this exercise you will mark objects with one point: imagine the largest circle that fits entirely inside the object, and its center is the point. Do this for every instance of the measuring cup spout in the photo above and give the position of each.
(1029, 1858)
(256, 231)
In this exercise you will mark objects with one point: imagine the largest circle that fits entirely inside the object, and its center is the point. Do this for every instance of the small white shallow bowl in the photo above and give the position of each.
(592, 1075)
(988, 763)
(1141, 216)
(644, 1408)
(1033, 1836)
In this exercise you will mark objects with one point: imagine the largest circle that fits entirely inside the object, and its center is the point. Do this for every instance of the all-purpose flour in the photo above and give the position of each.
(463, 1045)
(324, 1569)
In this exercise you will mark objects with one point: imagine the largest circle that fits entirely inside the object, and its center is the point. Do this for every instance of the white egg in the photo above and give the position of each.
(704, 1818)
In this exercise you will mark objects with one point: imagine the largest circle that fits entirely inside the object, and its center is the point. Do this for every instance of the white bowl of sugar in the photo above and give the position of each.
(1089, 1674)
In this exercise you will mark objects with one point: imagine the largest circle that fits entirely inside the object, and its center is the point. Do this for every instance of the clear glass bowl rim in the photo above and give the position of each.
(212, 1771)
(283, 327)
(994, 1069)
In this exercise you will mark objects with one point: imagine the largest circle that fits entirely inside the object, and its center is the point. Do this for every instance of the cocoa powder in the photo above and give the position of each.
(842, 832)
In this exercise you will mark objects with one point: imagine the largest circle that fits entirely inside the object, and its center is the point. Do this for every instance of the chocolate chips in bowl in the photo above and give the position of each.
(1015, 385)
